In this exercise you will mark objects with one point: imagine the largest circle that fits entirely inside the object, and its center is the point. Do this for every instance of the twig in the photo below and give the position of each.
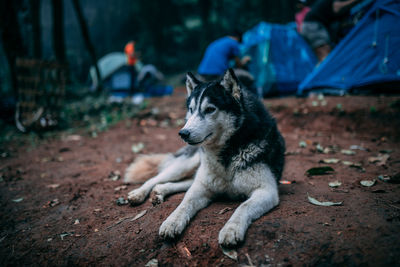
(120, 221)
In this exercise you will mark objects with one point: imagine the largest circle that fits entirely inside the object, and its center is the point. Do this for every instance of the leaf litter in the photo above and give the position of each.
(367, 183)
(335, 184)
(326, 203)
(330, 161)
(230, 253)
(320, 171)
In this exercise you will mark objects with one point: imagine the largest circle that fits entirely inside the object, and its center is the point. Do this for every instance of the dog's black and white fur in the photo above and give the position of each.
(235, 150)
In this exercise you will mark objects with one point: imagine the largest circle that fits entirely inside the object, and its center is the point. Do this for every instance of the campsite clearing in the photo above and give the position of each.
(59, 199)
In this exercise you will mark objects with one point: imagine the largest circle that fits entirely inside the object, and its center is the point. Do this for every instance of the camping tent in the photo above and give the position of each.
(280, 57)
(368, 55)
(107, 66)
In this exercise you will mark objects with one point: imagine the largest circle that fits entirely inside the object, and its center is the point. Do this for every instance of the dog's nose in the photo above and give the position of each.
(184, 134)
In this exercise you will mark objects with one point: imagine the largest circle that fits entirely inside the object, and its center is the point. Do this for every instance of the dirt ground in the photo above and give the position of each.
(58, 200)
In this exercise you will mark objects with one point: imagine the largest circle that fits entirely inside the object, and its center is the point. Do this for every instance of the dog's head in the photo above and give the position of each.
(214, 110)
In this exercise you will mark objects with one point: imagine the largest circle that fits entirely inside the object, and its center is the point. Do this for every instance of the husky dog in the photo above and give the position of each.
(234, 149)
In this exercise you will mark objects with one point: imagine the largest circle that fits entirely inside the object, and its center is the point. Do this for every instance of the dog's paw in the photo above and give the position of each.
(231, 235)
(172, 227)
(156, 199)
(136, 196)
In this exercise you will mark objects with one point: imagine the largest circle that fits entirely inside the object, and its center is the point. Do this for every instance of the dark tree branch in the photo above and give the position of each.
(86, 37)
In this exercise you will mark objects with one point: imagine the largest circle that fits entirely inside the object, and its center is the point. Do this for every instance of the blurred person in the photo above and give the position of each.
(317, 23)
(302, 10)
(131, 62)
(218, 54)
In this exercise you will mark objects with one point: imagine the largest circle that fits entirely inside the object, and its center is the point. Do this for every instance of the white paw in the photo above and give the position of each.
(231, 234)
(156, 199)
(136, 196)
(157, 195)
(172, 227)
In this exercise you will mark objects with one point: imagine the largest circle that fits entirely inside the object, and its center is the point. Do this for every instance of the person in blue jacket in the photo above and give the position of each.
(218, 54)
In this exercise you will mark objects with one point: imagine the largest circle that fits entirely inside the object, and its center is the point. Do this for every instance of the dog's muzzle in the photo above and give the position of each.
(184, 134)
(188, 138)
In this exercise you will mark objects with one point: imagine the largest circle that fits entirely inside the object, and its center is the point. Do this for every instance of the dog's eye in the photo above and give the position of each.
(209, 110)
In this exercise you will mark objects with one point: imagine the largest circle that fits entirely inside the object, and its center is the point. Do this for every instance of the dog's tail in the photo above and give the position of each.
(145, 167)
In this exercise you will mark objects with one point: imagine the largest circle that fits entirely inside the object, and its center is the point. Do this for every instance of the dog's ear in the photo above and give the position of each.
(191, 83)
(231, 84)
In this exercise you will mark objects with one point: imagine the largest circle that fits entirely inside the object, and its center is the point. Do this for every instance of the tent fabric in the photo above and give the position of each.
(281, 58)
(369, 54)
(107, 66)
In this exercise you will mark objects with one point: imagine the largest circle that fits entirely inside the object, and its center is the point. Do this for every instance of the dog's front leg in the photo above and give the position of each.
(197, 198)
(260, 202)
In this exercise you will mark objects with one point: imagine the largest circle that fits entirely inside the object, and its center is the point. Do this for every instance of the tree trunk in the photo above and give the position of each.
(58, 30)
(11, 37)
(36, 29)
(86, 37)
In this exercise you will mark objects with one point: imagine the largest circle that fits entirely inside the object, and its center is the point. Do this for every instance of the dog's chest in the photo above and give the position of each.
(227, 181)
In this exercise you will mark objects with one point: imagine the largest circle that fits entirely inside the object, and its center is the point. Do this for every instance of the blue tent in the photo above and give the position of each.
(281, 58)
(368, 55)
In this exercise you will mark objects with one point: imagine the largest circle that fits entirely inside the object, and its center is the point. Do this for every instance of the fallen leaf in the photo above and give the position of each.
(114, 175)
(385, 178)
(53, 203)
(320, 171)
(224, 210)
(96, 230)
(97, 210)
(328, 150)
(356, 147)
(230, 253)
(319, 148)
(18, 199)
(347, 152)
(318, 203)
(335, 184)
(184, 251)
(249, 260)
(381, 159)
(122, 201)
(73, 138)
(139, 215)
(329, 161)
(354, 165)
(386, 151)
(378, 191)
(302, 144)
(52, 186)
(152, 263)
(76, 221)
(65, 234)
(136, 148)
(367, 183)
(122, 187)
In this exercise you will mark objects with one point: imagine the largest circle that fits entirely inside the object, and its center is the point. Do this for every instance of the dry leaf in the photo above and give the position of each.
(18, 199)
(139, 215)
(367, 183)
(330, 161)
(335, 184)
(347, 152)
(224, 210)
(122, 187)
(381, 159)
(320, 170)
(152, 263)
(230, 253)
(318, 203)
(136, 148)
(52, 186)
